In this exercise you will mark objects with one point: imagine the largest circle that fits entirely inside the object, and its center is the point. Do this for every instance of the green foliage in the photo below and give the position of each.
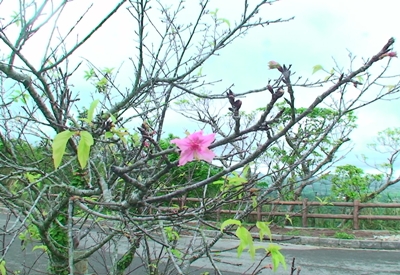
(90, 112)
(388, 137)
(107, 70)
(176, 253)
(264, 229)
(226, 21)
(42, 247)
(276, 255)
(3, 270)
(119, 132)
(246, 241)
(58, 233)
(234, 183)
(182, 102)
(16, 18)
(317, 68)
(230, 222)
(172, 235)
(101, 85)
(344, 235)
(89, 74)
(59, 145)
(30, 234)
(351, 182)
(85, 143)
(214, 15)
(299, 141)
(288, 218)
(18, 95)
(125, 261)
(78, 179)
(324, 201)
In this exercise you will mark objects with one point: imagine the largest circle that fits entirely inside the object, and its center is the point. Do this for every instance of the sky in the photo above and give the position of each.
(321, 32)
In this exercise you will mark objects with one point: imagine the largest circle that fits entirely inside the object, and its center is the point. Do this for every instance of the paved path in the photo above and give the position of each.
(313, 260)
(323, 261)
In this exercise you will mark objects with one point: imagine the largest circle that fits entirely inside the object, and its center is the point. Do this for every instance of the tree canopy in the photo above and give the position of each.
(100, 163)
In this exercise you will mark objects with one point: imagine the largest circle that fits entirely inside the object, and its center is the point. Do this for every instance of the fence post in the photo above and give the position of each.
(182, 202)
(304, 212)
(356, 207)
(258, 213)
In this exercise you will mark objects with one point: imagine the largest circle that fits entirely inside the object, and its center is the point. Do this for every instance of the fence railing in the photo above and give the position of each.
(304, 211)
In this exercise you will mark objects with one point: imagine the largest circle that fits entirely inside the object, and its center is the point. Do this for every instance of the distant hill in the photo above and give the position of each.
(322, 188)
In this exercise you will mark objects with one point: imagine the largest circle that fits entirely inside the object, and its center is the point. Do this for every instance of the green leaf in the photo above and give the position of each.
(85, 143)
(89, 74)
(121, 133)
(237, 180)
(264, 230)
(240, 249)
(254, 202)
(108, 134)
(287, 217)
(390, 87)
(135, 139)
(16, 18)
(327, 77)
(91, 110)
(182, 102)
(108, 70)
(176, 253)
(276, 256)
(3, 270)
(230, 222)
(246, 171)
(113, 118)
(225, 21)
(31, 177)
(213, 12)
(246, 240)
(218, 182)
(59, 144)
(316, 68)
(43, 247)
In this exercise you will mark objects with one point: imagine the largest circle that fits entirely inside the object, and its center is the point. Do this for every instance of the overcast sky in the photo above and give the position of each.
(322, 30)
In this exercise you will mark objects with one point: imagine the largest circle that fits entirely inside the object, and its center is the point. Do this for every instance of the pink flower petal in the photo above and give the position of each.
(183, 144)
(186, 156)
(206, 154)
(195, 146)
(207, 140)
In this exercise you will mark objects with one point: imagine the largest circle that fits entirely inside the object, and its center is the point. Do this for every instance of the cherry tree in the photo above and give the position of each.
(85, 172)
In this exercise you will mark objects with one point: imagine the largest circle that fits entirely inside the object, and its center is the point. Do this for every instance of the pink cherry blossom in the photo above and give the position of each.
(195, 146)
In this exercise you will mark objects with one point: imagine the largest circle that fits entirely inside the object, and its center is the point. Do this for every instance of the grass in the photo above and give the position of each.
(344, 235)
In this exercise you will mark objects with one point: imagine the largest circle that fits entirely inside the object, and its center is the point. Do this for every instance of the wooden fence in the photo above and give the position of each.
(304, 211)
